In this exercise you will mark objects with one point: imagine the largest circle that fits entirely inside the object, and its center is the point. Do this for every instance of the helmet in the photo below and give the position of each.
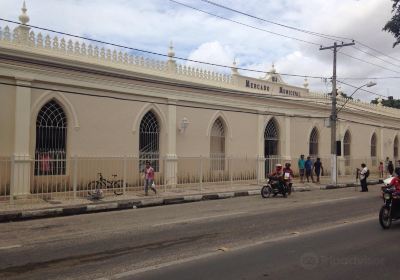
(278, 166)
(397, 171)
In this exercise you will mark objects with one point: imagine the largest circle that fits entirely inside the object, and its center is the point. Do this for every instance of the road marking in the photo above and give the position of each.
(199, 219)
(10, 247)
(339, 224)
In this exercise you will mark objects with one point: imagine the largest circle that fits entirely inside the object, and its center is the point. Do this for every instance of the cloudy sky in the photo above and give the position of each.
(152, 24)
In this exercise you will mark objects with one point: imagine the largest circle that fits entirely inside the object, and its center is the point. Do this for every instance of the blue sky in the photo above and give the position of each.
(152, 24)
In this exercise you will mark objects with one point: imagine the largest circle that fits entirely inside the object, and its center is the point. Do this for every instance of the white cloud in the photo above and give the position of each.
(151, 24)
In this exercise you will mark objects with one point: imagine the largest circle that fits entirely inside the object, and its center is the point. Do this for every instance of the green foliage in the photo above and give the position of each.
(393, 25)
(393, 103)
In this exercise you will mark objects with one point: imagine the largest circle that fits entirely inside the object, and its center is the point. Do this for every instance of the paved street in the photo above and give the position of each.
(240, 238)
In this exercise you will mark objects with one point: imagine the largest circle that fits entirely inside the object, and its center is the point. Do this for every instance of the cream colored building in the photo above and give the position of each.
(87, 101)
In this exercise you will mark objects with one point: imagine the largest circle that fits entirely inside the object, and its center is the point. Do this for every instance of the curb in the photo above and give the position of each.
(349, 185)
(21, 215)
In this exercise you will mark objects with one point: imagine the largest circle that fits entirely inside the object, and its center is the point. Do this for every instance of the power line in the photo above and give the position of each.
(244, 24)
(375, 56)
(158, 54)
(321, 35)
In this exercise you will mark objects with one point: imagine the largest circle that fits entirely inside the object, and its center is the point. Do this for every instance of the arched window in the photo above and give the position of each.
(396, 148)
(373, 149)
(217, 145)
(51, 140)
(149, 141)
(271, 138)
(314, 138)
(346, 147)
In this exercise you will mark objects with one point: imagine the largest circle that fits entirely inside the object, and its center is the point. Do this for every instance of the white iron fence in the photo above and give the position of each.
(124, 175)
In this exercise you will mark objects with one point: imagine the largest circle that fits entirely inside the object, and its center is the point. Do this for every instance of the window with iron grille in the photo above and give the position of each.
(346, 148)
(271, 138)
(314, 138)
(373, 145)
(51, 138)
(217, 145)
(149, 142)
(396, 148)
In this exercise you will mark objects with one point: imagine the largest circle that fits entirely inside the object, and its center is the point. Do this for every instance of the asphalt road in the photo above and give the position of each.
(166, 242)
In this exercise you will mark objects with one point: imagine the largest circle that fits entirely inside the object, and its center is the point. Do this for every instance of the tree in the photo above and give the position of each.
(393, 25)
(390, 102)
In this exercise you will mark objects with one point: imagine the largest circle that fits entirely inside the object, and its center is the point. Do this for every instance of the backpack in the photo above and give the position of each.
(367, 173)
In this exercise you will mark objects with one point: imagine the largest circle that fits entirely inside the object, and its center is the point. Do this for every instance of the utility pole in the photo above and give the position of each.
(333, 116)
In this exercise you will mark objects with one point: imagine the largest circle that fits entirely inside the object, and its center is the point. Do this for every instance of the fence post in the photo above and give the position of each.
(75, 176)
(124, 183)
(230, 171)
(12, 184)
(201, 173)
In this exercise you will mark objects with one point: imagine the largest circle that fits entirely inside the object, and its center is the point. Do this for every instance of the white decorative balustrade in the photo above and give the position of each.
(100, 54)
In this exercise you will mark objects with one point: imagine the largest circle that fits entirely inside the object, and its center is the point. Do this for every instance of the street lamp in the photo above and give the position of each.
(333, 125)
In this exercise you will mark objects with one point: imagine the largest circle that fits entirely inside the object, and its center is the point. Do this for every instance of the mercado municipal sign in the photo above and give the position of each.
(267, 88)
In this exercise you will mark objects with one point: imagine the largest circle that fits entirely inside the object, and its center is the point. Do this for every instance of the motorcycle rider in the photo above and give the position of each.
(277, 176)
(396, 180)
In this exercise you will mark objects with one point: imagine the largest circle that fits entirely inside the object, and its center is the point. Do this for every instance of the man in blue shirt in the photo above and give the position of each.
(300, 164)
(308, 166)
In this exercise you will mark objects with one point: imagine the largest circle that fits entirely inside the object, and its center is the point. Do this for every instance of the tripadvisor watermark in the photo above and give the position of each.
(312, 260)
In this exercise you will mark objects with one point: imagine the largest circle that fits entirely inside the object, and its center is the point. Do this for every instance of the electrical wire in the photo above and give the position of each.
(155, 53)
(321, 35)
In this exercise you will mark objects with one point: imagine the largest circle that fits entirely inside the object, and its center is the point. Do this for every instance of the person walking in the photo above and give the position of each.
(386, 165)
(301, 166)
(390, 168)
(308, 166)
(380, 169)
(318, 168)
(364, 173)
(149, 179)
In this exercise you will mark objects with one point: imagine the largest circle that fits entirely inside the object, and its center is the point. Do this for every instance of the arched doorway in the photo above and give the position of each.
(51, 140)
(217, 145)
(271, 145)
(346, 148)
(373, 149)
(313, 143)
(149, 141)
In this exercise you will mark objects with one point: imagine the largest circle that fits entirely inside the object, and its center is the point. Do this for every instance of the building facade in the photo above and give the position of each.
(62, 100)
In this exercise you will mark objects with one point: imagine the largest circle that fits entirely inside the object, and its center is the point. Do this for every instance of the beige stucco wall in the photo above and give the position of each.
(7, 116)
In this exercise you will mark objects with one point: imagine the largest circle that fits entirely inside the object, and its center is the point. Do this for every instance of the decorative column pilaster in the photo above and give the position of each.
(260, 147)
(21, 169)
(288, 155)
(171, 159)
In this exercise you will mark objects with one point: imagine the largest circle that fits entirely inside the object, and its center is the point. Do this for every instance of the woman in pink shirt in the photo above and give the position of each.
(149, 178)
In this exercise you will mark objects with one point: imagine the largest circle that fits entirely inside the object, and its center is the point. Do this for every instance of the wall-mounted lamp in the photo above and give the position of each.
(183, 125)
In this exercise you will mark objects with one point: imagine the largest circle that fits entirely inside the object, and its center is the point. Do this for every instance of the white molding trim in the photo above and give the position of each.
(150, 107)
(64, 102)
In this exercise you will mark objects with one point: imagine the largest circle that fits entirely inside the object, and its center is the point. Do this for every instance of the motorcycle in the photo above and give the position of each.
(386, 185)
(390, 211)
(273, 187)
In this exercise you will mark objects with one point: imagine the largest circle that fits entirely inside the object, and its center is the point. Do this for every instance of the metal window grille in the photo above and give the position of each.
(217, 145)
(149, 142)
(346, 148)
(51, 138)
(314, 138)
(373, 149)
(396, 148)
(373, 145)
(271, 145)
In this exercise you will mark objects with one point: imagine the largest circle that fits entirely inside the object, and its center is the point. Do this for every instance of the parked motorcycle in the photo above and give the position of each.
(390, 211)
(272, 188)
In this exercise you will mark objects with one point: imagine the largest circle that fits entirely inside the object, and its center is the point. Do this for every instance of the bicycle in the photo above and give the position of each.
(102, 183)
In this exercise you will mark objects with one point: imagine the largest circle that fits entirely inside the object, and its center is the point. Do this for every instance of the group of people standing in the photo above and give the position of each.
(388, 167)
(309, 168)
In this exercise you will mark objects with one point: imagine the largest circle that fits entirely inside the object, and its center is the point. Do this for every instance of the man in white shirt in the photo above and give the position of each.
(363, 177)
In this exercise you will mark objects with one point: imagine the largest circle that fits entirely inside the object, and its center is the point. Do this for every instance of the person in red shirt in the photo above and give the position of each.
(149, 178)
(396, 180)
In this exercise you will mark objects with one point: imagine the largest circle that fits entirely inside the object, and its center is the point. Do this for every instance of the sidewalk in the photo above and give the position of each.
(28, 209)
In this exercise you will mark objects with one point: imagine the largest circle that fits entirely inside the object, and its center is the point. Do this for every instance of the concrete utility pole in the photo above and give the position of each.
(333, 116)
